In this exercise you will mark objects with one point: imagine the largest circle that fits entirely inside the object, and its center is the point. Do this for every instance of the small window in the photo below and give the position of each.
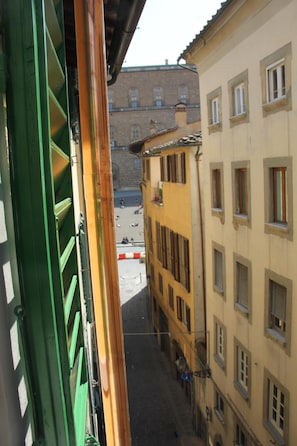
(214, 100)
(277, 296)
(278, 196)
(278, 307)
(158, 241)
(220, 406)
(242, 284)
(276, 410)
(241, 192)
(183, 94)
(160, 283)
(133, 97)
(276, 80)
(218, 269)
(170, 297)
(112, 135)
(135, 132)
(216, 189)
(150, 234)
(217, 192)
(239, 99)
(241, 436)
(158, 96)
(279, 191)
(241, 189)
(179, 308)
(215, 110)
(220, 343)
(187, 320)
(242, 370)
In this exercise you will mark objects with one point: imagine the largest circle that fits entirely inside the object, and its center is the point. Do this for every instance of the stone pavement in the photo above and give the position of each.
(160, 414)
(127, 222)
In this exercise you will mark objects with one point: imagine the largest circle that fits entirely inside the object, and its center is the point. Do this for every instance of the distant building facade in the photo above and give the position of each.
(141, 103)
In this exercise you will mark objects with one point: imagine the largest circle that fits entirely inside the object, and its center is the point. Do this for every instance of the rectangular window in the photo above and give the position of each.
(187, 320)
(276, 81)
(242, 284)
(179, 308)
(215, 110)
(241, 191)
(242, 367)
(158, 241)
(147, 170)
(152, 273)
(278, 309)
(220, 406)
(239, 99)
(241, 436)
(170, 297)
(279, 190)
(160, 283)
(218, 271)
(276, 406)
(216, 189)
(150, 234)
(276, 409)
(181, 168)
(278, 296)
(220, 343)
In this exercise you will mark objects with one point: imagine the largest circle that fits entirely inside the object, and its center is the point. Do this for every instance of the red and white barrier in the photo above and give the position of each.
(131, 255)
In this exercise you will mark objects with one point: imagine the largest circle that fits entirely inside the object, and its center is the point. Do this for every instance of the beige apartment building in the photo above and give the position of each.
(246, 59)
(174, 250)
(141, 102)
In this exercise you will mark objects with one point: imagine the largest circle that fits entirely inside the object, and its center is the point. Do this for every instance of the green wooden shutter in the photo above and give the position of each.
(45, 227)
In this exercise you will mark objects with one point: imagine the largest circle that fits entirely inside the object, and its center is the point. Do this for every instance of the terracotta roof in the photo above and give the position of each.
(194, 139)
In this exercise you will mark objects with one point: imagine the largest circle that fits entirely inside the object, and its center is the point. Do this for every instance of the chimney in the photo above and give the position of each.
(180, 115)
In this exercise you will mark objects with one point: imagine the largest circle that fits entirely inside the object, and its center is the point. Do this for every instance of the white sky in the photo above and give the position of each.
(166, 28)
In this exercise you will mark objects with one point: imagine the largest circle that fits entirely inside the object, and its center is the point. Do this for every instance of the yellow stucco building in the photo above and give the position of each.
(174, 248)
(246, 60)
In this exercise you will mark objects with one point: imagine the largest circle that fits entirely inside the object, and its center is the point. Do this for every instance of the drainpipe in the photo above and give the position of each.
(197, 159)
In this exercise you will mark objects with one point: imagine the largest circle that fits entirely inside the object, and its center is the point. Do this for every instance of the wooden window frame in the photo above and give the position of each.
(219, 286)
(278, 332)
(273, 225)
